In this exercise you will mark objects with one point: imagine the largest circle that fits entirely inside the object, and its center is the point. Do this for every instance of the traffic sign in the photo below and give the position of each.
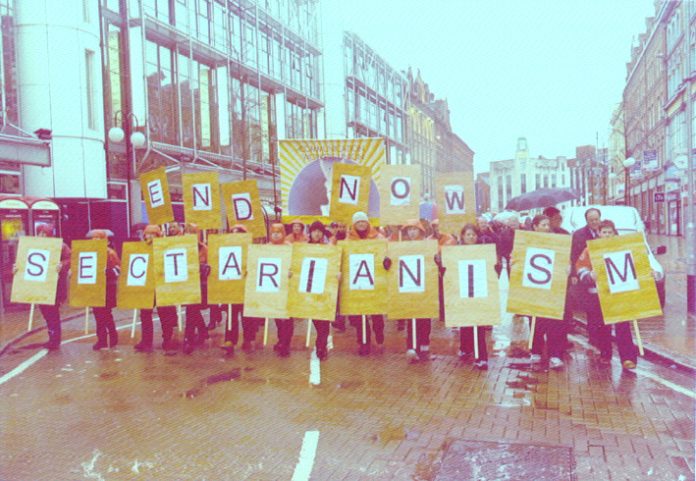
(659, 196)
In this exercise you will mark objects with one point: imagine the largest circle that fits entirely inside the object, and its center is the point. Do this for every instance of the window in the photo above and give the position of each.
(553, 180)
(86, 14)
(500, 193)
(89, 90)
(9, 183)
(537, 184)
(508, 187)
(523, 183)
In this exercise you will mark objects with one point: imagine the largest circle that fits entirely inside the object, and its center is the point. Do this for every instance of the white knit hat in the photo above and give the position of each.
(358, 216)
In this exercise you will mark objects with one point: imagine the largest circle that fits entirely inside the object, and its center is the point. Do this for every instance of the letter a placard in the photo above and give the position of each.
(36, 279)
(625, 283)
(155, 191)
(227, 255)
(456, 202)
(413, 289)
(314, 283)
(266, 288)
(472, 297)
(243, 206)
(136, 284)
(399, 194)
(350, 191)
(363, 277)
(177, 280)
(88, 268)
(539, 276)
(202, 199)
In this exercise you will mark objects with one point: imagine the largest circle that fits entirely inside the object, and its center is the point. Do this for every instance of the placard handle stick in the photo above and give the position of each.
(265, 331)
(329, 340)
(638, 339)
(413, 333)
(31, 317)
(364, 333)
(178, 318)
(86, 320)
(309, 332)
(135, 317)
(476, 350)
(531, 332)
(229, 317)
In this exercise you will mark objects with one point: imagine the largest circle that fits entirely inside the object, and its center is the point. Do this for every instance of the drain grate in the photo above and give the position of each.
(490, 461)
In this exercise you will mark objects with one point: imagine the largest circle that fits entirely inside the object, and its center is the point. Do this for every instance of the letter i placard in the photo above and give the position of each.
(36, 279)
(136, 284)
(88, 268)
(625, 283)
(314, 283)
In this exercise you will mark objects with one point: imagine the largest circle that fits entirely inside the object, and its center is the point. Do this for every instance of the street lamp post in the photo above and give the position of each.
(628, 163)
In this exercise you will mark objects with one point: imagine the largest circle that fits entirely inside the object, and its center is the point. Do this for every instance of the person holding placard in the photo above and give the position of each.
(285, 327)
(362, 230)
(297, 233)
(442, 240)
(195, 331)
(470, 236)
(547, 330)
(337, 232)
(167, 314)
(628, 353)
(318, 235)
(107, 335)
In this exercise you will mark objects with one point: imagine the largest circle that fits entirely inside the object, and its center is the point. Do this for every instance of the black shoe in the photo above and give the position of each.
(364, 349)
(211, 325)
(99, 345)
(277, 347)
(284, 351)
(400, 325)
(113, 339)
(188, 347)
(322, 353)
(339, 326)
(379, 337)
(51, 345)
(247, 346)
(143, 347)
(168, 345)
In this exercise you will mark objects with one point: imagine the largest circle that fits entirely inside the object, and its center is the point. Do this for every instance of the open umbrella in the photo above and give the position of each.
(541, 198)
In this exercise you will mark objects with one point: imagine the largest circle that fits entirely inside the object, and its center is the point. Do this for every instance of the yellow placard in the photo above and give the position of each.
(472, 296)
(350, 191)
(227, 257)
(88, 268)
(155, 189)
(539, 274)
(266, 289)
(136, 284)
(243, 206)
(625, 283)
(455, 196)
(36, 278)
(202, 199)
(306, 173)
(399, 194)
(314, 281)
(412, 278)
(363, 277)
(177, 270)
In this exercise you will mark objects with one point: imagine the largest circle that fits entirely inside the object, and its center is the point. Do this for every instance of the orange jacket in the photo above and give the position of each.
(583, 266)
(292, 238)
(372, 233)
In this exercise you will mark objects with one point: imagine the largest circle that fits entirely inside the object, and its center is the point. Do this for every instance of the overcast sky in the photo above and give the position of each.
(548, 70)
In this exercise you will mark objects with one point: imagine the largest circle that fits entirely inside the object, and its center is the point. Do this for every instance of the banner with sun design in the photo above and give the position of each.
(306, 171)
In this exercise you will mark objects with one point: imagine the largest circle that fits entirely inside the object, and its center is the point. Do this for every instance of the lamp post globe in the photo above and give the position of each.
(116, 135)
(629, 162)
(138, 140)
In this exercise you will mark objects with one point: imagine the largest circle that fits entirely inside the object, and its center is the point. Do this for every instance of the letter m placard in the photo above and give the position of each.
(621, 272)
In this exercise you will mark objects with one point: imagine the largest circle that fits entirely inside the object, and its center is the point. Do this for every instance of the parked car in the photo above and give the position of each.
(627, 220)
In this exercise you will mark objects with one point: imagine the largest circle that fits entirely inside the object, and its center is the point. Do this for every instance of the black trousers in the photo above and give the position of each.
(422, 333)
(168, 320)
(250, 325)
(104, 318)
(323, 328)
(624, 338)
(194, 322)
(285, 328)
(549, 329)
(377, 327)
(51, 315)
(466, 341)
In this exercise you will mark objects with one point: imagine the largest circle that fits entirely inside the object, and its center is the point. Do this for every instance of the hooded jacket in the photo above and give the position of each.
(280, 229)
(372, 233)
(412, 223)
(292, 237)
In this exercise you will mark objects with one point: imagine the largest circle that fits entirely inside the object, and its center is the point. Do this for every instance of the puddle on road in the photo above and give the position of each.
(107, 375)
(390, 433)
(213, 379)
(350, 384)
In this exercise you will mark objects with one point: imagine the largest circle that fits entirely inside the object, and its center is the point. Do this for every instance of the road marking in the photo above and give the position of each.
(307, 453)
(643, 372)
(314, 369)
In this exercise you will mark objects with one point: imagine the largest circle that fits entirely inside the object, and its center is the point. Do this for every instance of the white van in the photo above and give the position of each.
(627, 220)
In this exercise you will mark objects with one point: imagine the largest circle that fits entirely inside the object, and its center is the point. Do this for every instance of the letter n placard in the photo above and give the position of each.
(88, 268)
(36, 278)
(314, 281)
(136, 284)
(625, 283)
(155, 190)
(202, 199)
(539, 275)
(243, 206)
(177, 270)
(350, 191)
(266, 287)
(363, 278)
(227, 259)
(413, 284)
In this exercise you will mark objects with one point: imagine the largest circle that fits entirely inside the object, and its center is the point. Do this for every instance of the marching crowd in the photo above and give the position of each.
(550, 335)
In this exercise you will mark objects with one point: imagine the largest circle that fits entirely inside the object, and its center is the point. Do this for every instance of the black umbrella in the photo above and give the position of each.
(541, 198)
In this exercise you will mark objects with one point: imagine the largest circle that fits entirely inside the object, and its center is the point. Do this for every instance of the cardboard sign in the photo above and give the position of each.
(350, 191)
(266, 288)
(314, 281)
(399, 194)
(363, 278)
(625, 284)
(243, 206)
(539, 275)
(470, 284)
(36, 279)
(88, 268)
(456, 200)
(155, 190)
(136, 284)
(202, 199)
(227, 256)
(177, 277)
(413, 283)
